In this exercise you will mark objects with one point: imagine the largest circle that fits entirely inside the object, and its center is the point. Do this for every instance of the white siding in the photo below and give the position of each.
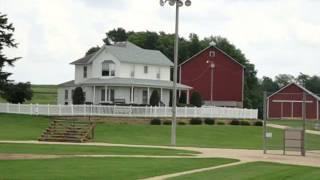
(79, 72)
(126, 69)
(97, 64)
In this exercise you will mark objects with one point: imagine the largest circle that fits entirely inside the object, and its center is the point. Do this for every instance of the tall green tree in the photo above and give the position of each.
(154, 98)
(313, 84)
(6, 41)
(268, 85)
(302, 79)
(92, 50)
(116, 35)
(78, 96)
(284, 79)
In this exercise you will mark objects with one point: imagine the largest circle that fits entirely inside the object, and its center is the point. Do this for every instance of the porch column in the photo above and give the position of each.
(148, 95)
(161, 94)
(132, 94)
(188, 96)
(106, 94)
(94, 95)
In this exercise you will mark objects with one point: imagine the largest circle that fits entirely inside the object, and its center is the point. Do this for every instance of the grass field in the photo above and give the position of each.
(100, 168)
(310, 124)
(42, 94)
(27, 127)
(87, 150)
(258, 170)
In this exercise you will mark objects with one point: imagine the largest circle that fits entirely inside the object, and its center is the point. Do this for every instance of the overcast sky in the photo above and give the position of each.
(278, 36)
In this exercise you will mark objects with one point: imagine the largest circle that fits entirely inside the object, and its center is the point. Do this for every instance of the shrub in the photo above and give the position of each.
(220, 123)
(196, 99)
(235, 122)
(245, 123)
(183, 98)
(167, 122)
(258, 123)
(154, 98)
(16, 93)
(195, 121)
(181, 123)
(78, 96)
(155, 121)
(209, 121)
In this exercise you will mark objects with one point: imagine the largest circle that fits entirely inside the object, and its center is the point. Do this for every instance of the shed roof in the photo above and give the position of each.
(299, 86)
(129, 53)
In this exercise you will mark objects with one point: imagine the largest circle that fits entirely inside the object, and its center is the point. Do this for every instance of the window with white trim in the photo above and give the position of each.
(145, 69)
(66, 94)
(85, 71)
(108, 68)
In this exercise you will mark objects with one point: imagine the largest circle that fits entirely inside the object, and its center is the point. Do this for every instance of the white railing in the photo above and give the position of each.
(127, 111)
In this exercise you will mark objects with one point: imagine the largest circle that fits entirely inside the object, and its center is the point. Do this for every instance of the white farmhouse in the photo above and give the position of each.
(121, 73)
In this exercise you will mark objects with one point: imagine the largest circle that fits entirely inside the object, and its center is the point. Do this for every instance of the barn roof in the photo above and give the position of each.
(231, 58)
(299, 86)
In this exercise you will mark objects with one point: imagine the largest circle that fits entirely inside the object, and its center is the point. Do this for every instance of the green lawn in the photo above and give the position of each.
(101, 168)
(258, 170)
(221, 136)
(310, 124)
(84, 150)
(42, 94)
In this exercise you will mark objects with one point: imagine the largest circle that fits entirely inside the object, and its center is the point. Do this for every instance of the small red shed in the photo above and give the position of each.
(216, 76)
(287, 103)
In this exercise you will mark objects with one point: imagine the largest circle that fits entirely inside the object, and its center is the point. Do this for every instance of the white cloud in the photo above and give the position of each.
(279, 36)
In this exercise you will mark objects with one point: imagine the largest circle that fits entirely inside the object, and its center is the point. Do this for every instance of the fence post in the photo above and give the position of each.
(59, 106)
(7, 107)
(84, 110)
(130, 110)
(48, 109)
(31, 109)
(91, 109)
(165, 111)
(72, 109)
(37, 109)
(195, 111)
(19, 108)
(185, 111)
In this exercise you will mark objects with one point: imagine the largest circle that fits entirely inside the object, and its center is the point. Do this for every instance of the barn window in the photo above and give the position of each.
(212, 53)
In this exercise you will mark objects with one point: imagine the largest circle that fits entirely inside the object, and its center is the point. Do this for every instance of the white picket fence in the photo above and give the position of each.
(127, 111)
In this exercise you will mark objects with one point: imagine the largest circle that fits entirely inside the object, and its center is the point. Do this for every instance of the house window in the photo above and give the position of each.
(144, 97)
(66, 94)
(158, 74)
(108, 68)
(212, 53)
(111, 94)
(145, 69)
(85, 69)
(103, 95)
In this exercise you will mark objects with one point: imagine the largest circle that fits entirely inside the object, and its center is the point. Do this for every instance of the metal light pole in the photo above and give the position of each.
(177, 4)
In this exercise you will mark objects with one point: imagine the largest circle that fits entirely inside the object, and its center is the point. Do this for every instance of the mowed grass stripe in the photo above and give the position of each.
(257, 170)
(101, 168)
(88, 150)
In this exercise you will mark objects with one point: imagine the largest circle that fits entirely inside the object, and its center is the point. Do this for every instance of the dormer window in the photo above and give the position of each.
(108, 68)
(145, 69)
(85, 71)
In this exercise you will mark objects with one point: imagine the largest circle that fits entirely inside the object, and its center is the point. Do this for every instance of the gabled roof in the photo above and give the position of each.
(208, 48)
(299, 86)
(129, 53)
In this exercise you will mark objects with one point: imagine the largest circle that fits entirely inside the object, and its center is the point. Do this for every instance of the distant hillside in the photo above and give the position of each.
(42, 94)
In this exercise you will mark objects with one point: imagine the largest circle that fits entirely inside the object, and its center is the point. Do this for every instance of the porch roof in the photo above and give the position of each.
(116, 81)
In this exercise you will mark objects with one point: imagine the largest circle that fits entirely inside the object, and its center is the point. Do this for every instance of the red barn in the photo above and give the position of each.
(216, 76)
(287, 103)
